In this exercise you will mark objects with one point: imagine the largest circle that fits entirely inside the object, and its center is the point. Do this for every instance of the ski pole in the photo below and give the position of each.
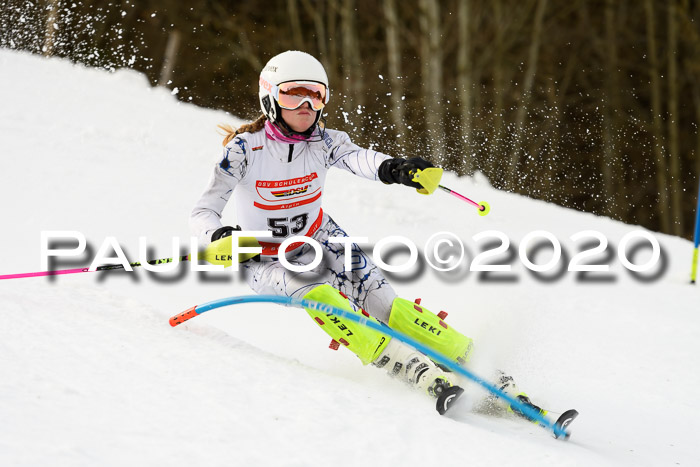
(218, 252)
(429, 179)
(483, 206)
(694, 267)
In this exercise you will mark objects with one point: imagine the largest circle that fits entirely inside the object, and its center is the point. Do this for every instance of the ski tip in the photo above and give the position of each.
(563, 423)
(448, 397)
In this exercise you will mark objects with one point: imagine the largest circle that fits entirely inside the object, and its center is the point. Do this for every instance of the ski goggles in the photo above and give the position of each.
(293, 94)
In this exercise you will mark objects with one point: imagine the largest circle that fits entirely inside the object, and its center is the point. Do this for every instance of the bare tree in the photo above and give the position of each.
(393, 49)
(295, 23)
(331, 23)
(51, 27)
(431, 74)
(316, 13)
(557, 100)
(612, 113)
(526, 94)
(674, 114)
(499, 89)
(657, 124)
(237, 31)
(354, 94)
(464, 82)
(692, 37)
(171, 50)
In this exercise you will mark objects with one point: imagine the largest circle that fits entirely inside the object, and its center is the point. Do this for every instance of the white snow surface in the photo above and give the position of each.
(91, 373)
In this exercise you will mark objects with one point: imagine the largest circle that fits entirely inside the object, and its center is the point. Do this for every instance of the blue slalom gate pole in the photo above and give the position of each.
(558, 431)
(694, 267)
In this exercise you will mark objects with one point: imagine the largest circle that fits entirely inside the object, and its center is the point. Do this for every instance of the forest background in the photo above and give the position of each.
(592, 105)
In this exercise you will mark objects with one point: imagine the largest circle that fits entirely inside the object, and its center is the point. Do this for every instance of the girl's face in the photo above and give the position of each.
(299, 119)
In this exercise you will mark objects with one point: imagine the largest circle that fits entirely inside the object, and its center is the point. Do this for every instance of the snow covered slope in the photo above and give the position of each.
(91, 373)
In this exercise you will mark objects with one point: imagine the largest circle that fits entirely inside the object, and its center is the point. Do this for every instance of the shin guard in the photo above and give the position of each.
(428, 329)
(364, 342)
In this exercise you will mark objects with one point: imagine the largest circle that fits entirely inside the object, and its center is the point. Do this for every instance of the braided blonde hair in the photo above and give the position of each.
(230, 132)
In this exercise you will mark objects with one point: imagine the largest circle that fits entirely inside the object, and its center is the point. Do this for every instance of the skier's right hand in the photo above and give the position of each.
(224, 231)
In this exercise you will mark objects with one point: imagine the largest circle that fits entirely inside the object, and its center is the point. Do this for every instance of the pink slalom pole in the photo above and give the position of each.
(43, 273)
(106, 267)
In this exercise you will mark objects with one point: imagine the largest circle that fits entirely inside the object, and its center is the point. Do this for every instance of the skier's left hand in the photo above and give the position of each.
(402, 170)
(225, 231)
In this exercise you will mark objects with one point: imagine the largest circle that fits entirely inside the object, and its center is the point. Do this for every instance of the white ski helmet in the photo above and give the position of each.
(289, 66)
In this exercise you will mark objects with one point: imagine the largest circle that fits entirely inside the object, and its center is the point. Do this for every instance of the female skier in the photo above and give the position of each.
(275, 169)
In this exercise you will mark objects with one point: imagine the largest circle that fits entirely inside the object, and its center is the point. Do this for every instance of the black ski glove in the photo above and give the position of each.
(402, 170)
(224, 231)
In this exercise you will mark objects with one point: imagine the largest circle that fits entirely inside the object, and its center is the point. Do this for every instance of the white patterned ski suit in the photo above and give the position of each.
(279, 187)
